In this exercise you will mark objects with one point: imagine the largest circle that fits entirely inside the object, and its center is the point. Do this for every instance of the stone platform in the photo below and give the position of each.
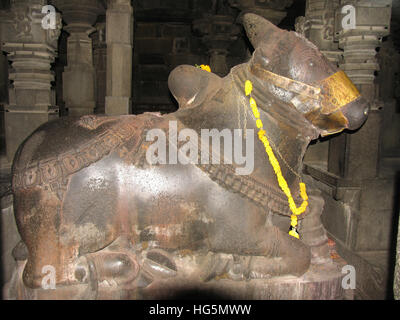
(321, 282)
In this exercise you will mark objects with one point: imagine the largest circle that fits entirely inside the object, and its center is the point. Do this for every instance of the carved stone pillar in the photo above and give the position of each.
(371, 24)
(357, 195)
(218, 32)
(31, 50)
(318, 25)
(100, 64)
(119, 37)
(79, 74)
(356, 156)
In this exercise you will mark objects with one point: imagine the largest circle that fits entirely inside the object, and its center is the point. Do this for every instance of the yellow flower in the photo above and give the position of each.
(303, 192)
(248, 87)
(205, 67)
(294, 233)
(277, 169)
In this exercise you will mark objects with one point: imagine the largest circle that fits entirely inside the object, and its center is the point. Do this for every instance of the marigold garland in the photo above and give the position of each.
(275, 165)
(204, 67)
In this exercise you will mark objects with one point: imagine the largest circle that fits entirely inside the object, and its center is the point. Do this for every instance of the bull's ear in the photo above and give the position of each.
(259, 30)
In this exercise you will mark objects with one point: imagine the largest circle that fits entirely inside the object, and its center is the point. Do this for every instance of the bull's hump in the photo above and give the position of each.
(65, 146)
(63, 136)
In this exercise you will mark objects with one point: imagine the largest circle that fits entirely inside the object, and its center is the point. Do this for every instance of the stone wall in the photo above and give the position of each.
(159, 48)
(164, 40)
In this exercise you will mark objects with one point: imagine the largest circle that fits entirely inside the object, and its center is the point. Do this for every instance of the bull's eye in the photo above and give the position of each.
(311, 64)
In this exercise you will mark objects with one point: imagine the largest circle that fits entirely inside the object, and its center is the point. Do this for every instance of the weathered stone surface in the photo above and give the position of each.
(119, 29)
(323, 282)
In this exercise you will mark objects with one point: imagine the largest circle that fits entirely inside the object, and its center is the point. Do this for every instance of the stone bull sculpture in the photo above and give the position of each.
(89, 205)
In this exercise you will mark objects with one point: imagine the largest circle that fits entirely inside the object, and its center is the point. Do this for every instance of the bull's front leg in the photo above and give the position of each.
(277, 253)
(260, 249)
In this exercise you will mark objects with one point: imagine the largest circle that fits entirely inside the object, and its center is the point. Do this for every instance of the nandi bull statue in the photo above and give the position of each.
(97, 220)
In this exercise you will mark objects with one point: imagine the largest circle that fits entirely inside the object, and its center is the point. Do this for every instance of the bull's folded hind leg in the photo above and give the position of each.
(62, 253)
(49, 259)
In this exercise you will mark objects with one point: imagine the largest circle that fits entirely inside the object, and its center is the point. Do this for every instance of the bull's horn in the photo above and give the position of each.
(258, 29)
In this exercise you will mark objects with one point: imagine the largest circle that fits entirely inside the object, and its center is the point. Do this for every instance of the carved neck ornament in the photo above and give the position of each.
(331, 94)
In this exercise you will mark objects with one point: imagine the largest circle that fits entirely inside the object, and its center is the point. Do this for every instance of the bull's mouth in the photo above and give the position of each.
(332, 104)
(351, 116)
(356, 113)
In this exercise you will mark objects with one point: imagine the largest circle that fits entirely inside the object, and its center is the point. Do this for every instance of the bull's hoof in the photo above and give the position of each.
(159, 264)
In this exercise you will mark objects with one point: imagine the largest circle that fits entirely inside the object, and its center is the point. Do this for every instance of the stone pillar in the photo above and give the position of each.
(79, 74)
(31, 50)
(355, 156)
(359, 44)
(318, 25)
(100, 64)
(59, 71)
(355, 198)
(218, 32)
(119, 37)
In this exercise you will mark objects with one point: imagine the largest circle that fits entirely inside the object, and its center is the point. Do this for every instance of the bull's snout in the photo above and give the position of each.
(356, 112)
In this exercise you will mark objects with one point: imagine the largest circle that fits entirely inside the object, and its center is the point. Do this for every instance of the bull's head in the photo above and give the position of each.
(287, 68)
(299, 74)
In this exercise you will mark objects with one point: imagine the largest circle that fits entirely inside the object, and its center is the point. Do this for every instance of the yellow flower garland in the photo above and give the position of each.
(204, 67)
(277, 169)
